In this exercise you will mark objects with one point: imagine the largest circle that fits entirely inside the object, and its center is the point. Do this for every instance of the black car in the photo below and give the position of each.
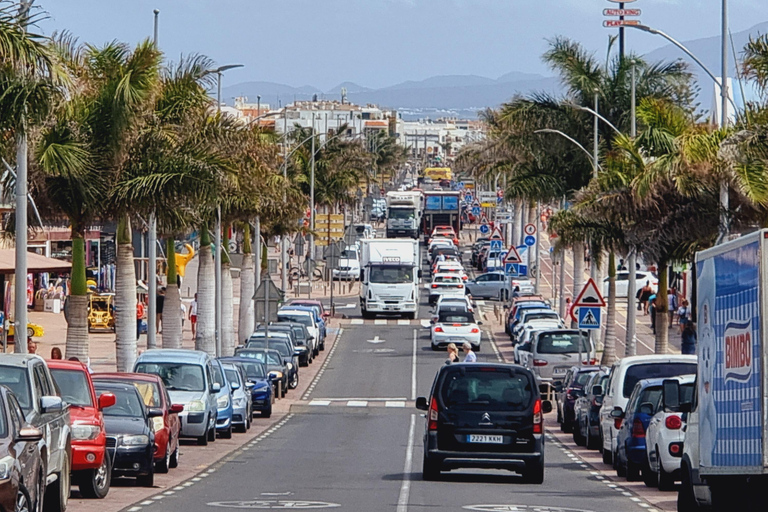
(262, 387)
(586, 411)
(567, 391)
(301, 338)
(484, 415)
(130, 437)
(277, 371)
(290, 355)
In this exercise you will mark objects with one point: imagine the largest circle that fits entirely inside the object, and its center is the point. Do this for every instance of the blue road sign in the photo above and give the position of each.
(468, 198)
(495, 245)
(512, 269)
(461, 184)
(589, 317)
(530, 241)
(499, 200)
(475, 210)
(484, 229)
(522, 270)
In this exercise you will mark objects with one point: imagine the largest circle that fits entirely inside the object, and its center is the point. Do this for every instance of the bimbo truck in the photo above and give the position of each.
(725, 452)
(389, 276)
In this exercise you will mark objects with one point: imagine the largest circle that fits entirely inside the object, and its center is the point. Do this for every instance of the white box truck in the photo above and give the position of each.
(404, 211)
(389, 276)
(725, 453)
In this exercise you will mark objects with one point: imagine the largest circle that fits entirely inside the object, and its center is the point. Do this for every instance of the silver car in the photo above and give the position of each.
(553, 352)
(492, 285)
(242, 410)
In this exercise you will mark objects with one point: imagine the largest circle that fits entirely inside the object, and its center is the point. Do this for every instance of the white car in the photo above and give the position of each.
(519, 323)
(544, 324)
(622, 282)
(451, 304)
(456, 327)
(286, 314)
(450, 267)
(445, 285)
(349, 264)
(525, 285)
(664, 439)
(523, 347)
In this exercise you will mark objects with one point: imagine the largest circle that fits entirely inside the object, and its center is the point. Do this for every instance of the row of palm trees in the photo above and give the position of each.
(655, 194)
(115, 135)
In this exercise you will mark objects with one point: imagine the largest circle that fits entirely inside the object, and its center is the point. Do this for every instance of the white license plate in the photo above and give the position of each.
(558, 371)
(472, 438)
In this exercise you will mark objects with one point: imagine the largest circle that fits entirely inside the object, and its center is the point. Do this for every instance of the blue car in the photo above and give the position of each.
(262, 389)
(631, 454)
(223, 402)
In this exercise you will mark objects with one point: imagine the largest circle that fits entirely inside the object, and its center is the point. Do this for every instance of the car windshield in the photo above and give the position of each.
(447, 279)
(349, 254)
(150, 393)
(73, 386)
(486, 389)
(456, 318)
(176, 376)
(299, 319)
(272, 357)
(299, 333)
(401, 214)
(254, 370)
(561, 343)
(127, 404)
(232, 375)
(654, 371)
(17, 380)
(391, 275)
(274, 343)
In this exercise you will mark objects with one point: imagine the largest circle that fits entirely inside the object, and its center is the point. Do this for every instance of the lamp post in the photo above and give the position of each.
(152, 248)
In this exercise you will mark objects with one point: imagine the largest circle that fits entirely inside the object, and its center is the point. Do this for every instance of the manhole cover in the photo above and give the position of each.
(520, 508)
(274, 504)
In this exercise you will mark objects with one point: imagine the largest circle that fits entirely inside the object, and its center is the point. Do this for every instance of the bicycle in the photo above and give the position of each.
(300, 271)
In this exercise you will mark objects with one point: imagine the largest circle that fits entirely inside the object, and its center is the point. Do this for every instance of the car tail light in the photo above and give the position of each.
(460, 286)
(432, 425)
(676, 449)
(434, 286)
(539, 362)
(438, 329)
(464, 278)
(590, 362)
(538, 417)
(455, 325)
(638, 430)
(475, 330)
(617, 423)
(673, 422)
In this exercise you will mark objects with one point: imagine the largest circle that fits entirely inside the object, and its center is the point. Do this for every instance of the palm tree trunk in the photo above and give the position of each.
(227, 312)
(77, 307)
(662, 321)
(172, 334)
(125, 298)
(578, 268)
(205, 338)
(609, 344)
(245, 317)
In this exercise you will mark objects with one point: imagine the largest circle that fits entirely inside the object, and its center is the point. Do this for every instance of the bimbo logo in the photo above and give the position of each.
(738, 351)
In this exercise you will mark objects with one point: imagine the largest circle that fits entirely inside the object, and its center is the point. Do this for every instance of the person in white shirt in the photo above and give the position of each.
(470, 356)
(183, 314)
(193, 315)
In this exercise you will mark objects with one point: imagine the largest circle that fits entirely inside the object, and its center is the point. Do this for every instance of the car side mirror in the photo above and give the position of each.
(154, 412)
(176, 408)
(51, 404)
(234, 386)
(670, 393)
(558, 385)
(422, 404)
(617, 413)
(215, 387)
(546, 406)
(480, 323)
(597, 390)
(250, 385)
(272, 375)
(297, 352)
(106, 400)
(29, 434)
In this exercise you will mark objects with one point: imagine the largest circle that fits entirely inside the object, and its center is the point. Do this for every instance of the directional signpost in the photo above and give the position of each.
(512, 262)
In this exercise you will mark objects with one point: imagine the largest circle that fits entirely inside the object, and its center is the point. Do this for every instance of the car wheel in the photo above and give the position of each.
(57, 494)
(146, 480)
(266, 413)
(23, 501)
(633, 471)
(621, 469)
(322, 345)
(607, 455)
(686, 500)
(430, 469)
(162, 466)
(227, 434)
(174, 462)
(203, 439)
(94, 483)
(577, 437)
(591, 442)
(295, 381)
(534, 472)
(212, 433)
(565, 425)
(650, 478)
(666, 480)
(434, 347)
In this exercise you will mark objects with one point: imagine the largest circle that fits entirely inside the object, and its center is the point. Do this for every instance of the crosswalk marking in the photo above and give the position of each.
(357, 403)
(320, 402)
(403, 322)
(357, 321)
(394, 404)
(380, 321)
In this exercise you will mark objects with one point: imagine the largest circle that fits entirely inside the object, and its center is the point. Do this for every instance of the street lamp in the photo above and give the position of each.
(562, 134)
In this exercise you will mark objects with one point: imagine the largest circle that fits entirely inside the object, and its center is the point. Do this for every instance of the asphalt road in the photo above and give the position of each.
(354, 444)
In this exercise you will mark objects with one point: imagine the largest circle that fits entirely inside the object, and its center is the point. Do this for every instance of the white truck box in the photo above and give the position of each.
(390, 276)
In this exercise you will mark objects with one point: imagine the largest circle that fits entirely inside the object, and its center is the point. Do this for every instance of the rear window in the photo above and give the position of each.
(274, 343)
(541, 316)
(562, 343)
(582, 378)
(447, 279)
(299, 319)
(486, 389)
(654, 371)
(456, 318)
(651, 395)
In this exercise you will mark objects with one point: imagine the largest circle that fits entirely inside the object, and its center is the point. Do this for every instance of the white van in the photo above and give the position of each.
(623, 377)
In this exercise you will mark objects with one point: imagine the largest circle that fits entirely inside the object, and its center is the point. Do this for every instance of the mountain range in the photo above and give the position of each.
(465, 95)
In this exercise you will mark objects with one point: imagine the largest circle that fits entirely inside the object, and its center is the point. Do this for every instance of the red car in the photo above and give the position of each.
(91, 466)
(167, 426)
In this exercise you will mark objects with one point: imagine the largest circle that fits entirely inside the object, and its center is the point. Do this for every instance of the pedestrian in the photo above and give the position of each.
(193, 315)
(56, 353)
(183, 314)
(672, 304)
(469, 356)
(159, 310)
(682, 315)
(516, 292)
(643, 295)
(453, 354)
(689, 339)
(139, 316)
(652, 311)
(31, 345)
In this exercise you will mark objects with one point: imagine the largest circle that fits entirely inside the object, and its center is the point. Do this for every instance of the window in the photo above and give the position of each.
(484, 278)
(254, 370)
(127, 403)
(582, 378)
(391, 275)
(17, 415)
(561, 343)
(274, 343)
(651, 395)
(218, 377)
(299, 319)
(17, 380)
(456, 318)
(654, 371)
(150, 393)
(401, 214)
(3, 423)
(73, 385)
(232, 376)
(176, 376)
(486, 389)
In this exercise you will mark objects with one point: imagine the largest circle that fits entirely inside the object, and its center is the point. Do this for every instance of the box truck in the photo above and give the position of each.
(404, 210)
(389, 276)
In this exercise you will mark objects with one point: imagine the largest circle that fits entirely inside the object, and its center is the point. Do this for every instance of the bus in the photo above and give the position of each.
(438, 173)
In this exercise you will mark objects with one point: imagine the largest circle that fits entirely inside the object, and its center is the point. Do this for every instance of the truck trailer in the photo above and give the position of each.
(404, 211)
(389, 277)
(441, 208)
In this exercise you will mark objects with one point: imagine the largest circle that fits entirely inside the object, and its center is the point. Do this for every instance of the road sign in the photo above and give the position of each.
(620, 23)
(530, 241)
(484, 229)
(461, 184)
(497, 234)
(590, 296)
(468, 198)
(530, 229)
(622, 12)
(590, 318)
(475, 210)
(495, 245)
(513, 256)
(512, 269)
(487, 199)
(622, 1)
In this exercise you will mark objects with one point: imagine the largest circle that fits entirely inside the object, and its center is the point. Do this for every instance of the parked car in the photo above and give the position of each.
(526, 286)
(22, 478)
(587, 411)
(622, 283)
(486, 415)
(276, 369)
(624, 375)
(455, 326)
(256, 373)
(91, 466)
(513, 319)
(324, 316)
(28, 377)
(224, 409)
(188, 377)
(167, 428)
(554, 351)
(567, 391)
(538, 319)
(241, 396)
(287, 351)
(664, 440)
(302, 341)
(130, 439)
(309, 318)
(632, 423)
(518, 302)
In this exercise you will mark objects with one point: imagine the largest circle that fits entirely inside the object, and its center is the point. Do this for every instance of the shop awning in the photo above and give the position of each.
(35, 263)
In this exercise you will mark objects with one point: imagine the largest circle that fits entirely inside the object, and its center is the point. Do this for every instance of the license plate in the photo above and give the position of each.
(558, 371)
(472, 438)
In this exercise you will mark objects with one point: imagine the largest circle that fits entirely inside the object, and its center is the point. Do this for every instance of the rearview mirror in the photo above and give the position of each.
(234, 386)
(51, 404)
(176, 408)
(106, 400)
(215, 387)
(154, 412)
(617, 413)
(422, 404)
(546, 406)
(29, 434)
(671, 394)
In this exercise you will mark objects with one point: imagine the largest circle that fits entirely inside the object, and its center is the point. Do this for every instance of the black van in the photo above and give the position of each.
(484, 415)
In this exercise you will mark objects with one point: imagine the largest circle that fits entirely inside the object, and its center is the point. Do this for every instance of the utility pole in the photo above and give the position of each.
(284, 238)
(630, 346)
(724, 200)
(621, 35)
(311, 214)
(152, 251)
(594, 270)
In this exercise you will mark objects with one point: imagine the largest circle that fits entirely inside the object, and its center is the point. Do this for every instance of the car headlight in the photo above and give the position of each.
(85, 432)
(195, 406)
(157, 423)
(222, 402)
(135, 440)
(275, 375)
(289, 366)
(6, 466)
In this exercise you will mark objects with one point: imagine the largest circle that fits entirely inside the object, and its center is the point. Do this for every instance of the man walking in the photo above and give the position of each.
(470, 356)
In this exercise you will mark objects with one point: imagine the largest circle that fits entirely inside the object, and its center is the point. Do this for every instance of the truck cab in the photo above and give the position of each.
(404, 210)
(390, 271)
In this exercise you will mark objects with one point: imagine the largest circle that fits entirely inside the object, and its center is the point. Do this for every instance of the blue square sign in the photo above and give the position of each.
(590, 317)
(495, 245)
(512, 269)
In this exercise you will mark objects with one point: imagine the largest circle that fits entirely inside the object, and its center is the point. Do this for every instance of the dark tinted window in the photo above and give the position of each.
(653, 371)
(17, 379)
(484, 388)
(3, 422)
(299, 319)
(73, 386)
(127, 403)
(232, 376)
(254, 370)
(651, 395)
(456, 318)
(274, 343)
(272, 357)
(561, 343)
(176, 376)
(582, 378)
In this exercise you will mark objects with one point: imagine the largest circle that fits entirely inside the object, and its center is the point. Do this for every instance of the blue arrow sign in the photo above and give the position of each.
(590, 318)
(484, 229)
(530, 241)
(512, 269)
(495, 245)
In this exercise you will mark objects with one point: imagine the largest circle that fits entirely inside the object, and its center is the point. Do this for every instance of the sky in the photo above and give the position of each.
(376, 43)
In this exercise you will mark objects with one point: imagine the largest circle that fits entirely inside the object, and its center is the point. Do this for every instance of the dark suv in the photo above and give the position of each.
(484, 415)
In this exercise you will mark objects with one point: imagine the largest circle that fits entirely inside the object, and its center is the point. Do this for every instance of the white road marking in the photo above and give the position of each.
(134, 509)
(357, 403)
(405, 488)
(145, 503)
(394, 404)
(376, 339)
(357, 321)
(320, 402)
(380, 321)
(413, 365)
(425, 323)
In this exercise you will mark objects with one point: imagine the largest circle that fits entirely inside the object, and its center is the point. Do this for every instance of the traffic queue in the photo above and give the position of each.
(62, 424)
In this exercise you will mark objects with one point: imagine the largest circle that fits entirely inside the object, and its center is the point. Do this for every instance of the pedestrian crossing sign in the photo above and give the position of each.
(590, 317)
(512, 269)
(495, 245)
